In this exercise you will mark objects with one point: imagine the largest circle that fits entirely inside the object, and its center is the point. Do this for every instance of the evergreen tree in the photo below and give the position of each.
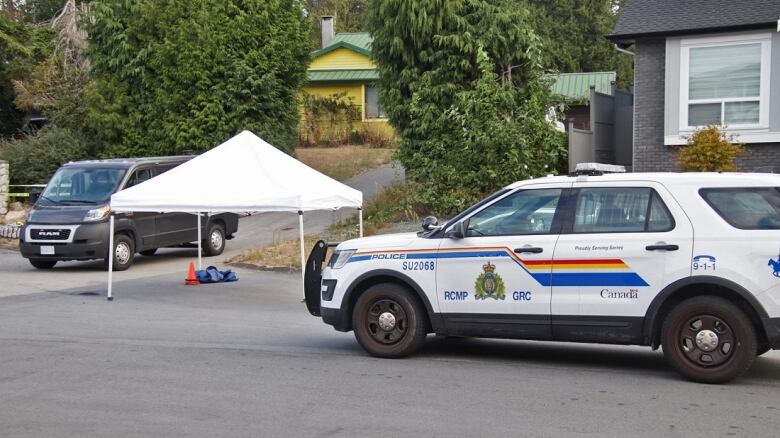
(573, 34)
(170, 75)
(462, 83)
(349, 14)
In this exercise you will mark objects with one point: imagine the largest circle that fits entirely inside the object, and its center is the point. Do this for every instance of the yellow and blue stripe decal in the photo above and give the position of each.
(551, 275)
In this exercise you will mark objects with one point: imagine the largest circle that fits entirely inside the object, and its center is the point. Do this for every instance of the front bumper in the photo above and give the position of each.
(88, 242)
(772, 327)
(337, 317)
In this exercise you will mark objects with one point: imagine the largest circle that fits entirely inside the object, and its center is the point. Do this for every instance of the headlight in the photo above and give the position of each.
(340, 258)
(97, 214)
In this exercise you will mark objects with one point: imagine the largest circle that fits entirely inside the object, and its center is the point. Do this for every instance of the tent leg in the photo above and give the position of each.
(109, 294)
(200, 250)
(360, 220)
(303, 256)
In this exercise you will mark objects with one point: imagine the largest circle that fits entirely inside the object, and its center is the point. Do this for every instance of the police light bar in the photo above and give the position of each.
(597, 169)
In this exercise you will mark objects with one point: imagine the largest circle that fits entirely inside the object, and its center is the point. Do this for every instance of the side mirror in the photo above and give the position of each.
(430, 223)
(459, 231)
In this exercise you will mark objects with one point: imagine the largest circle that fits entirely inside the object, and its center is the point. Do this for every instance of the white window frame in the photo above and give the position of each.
(727, 40)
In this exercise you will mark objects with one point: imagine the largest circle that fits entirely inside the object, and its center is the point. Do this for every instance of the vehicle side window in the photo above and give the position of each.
(749, 208)
(621, 210)
(162, 169)
(523, 212)
(138, 177)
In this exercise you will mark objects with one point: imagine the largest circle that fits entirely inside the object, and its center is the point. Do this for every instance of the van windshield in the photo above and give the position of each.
(83, 185)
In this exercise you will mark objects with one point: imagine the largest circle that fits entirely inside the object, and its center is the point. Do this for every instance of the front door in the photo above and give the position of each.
(623, 243)
(495, 280)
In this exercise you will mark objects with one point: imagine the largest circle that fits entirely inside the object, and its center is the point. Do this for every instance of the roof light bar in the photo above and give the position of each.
(597, 169)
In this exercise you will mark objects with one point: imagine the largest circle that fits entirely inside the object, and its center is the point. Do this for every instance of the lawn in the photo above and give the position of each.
(344, 162)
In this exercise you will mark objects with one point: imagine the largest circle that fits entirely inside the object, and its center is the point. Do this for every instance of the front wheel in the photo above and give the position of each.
(214, 243)
(708, 339)
(123, 252)
(389, 321)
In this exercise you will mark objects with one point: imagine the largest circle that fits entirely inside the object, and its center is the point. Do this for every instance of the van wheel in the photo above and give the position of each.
(388, 321)
(214, 243)
(708, 339)
(123, 253)
(148, 252)
(43, 264)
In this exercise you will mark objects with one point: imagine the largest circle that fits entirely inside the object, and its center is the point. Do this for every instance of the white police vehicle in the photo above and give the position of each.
(690, 262)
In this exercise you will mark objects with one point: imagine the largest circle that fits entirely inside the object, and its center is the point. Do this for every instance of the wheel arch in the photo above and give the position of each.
(699, 285)
(371, 278)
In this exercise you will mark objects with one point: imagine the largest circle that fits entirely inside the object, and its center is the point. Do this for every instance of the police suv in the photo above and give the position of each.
(689, 262)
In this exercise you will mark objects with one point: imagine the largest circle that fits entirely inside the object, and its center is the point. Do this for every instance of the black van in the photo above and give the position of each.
(69, 221)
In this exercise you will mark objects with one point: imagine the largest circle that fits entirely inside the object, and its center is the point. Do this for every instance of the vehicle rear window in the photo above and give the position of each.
(746, 208)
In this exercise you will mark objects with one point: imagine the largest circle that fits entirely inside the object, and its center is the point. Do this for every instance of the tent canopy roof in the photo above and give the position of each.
(244, 174)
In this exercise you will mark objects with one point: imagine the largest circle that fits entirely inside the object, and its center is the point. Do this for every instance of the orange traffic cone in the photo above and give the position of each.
(192, 279)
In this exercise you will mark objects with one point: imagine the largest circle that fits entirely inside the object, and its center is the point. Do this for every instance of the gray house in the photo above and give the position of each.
(699, 62)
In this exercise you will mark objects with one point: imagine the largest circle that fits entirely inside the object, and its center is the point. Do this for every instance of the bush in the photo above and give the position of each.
(709, 150)
(34, 158)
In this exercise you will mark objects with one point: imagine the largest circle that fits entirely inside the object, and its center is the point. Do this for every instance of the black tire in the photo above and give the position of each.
(43, 264)
(123, 252)
(214, 242)
(709, 340)
(406, 315)
(148, 252)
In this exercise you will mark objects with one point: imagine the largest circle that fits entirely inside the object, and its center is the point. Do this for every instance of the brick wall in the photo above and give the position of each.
(650, 153)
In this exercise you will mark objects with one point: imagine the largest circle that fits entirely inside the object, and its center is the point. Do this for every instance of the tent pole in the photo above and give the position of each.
(303, 256)
(360, 220)
(109, 295)
(200, 257)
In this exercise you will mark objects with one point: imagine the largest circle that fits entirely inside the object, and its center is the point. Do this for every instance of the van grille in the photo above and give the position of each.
(50, 234)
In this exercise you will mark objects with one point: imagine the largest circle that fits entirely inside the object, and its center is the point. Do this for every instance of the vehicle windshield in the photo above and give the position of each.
(83, 185)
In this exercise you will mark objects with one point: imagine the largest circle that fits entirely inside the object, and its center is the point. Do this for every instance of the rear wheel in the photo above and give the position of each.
(214, 243)
(123, 252)
(388, 321)
(43, 264)
(148, 252)
(708, 339)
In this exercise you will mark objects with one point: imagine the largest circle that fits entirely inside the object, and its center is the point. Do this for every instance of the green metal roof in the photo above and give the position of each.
(357, 41)
(342, 75)
(576, 86)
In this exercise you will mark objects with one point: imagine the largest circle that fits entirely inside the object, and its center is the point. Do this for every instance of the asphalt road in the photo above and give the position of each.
(245, 359)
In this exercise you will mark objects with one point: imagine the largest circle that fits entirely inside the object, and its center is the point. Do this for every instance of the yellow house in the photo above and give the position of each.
(343, 65)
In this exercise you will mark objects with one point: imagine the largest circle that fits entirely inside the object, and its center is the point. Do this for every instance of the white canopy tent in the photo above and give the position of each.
(245, 174)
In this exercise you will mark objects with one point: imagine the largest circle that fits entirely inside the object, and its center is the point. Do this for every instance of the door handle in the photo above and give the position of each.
(662, 247)
(531, 249)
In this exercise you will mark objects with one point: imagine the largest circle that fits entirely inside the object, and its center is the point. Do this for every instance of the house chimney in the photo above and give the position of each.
(328, 29)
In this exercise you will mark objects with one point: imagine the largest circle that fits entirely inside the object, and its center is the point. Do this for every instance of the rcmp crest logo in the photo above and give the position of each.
(489, 284)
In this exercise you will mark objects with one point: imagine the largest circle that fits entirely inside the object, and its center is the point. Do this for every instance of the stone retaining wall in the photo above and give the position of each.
(5, 177)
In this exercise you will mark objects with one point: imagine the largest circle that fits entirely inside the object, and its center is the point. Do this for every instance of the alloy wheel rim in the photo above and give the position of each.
(122, 253)
(216, 239)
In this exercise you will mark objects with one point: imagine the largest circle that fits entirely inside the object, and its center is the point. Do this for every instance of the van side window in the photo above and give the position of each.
(621, 210)
(138, 177)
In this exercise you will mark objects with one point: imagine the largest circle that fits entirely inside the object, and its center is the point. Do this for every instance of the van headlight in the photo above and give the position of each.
(340, 258)
(97, 214)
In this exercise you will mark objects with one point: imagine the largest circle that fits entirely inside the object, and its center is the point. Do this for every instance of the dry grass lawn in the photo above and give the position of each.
(344, 162)
(283, 255)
